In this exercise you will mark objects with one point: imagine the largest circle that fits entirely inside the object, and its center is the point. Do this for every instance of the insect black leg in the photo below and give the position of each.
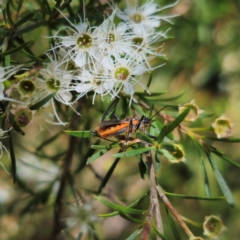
(139, 123)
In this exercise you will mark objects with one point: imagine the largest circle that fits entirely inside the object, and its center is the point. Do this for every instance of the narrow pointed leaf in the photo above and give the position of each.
(42, 102)
(9, 14)
(131, 219)
(96, 156)
(222, 184)
(225, 158)
(131, 205)
(13, 50)
(142, 167)
(105, 146)
(173, 226)
(205, 179)
(147, 95)
(159, 233)
(194, 197)
(80, 134)
(228, 140)
(108, 175)
(117, 207)
(171, 126)
(144, 137)
(12, 155)
(29, 28)
(134, 234)
(149, 82)
(49, 140)
(110, 110)
(133, 153)
(28, 17)
(157, 162)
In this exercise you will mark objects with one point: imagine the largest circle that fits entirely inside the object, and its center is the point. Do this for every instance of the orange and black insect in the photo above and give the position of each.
(129, 125)
(115, 127)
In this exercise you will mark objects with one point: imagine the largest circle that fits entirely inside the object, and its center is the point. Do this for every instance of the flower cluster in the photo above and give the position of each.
(106, 60)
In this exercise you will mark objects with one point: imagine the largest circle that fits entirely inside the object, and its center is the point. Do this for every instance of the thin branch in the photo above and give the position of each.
(174, 212)
(64, 178)
(154, 209)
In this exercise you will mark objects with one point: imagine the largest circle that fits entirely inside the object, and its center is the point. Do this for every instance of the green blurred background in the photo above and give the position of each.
(204, 64)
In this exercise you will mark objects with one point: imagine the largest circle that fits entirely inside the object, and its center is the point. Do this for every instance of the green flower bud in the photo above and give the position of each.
(222, 127)
(213, 226)
(26, 88)
(23, 117)
(194, 112)
(176, 152)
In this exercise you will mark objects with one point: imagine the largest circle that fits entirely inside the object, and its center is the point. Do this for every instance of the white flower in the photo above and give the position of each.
(143, 44)
(114, 37)
(93, 79)
(54, 78)
(144, 18)
(81, 44)
(124, 72)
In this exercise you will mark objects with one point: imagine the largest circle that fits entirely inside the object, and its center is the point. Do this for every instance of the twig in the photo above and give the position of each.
(174, 212)
(64, 178)
(154, 209)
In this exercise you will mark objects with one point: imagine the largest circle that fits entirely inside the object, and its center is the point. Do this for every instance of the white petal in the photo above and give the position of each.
(80, 59)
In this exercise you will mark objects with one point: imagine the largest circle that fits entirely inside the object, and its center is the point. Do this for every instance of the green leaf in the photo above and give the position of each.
(225, 158)
(42, 102)
(205, 179)
(96, 156)
(149, 82)
(171, 126)
(46, 6)
(157, 162)
(173, 226)
(108, 175)
(80, 134)
(110, 110)
(151, 95)
(131, 205)
(142, 167)
(113, 145)
(144, 137)
(194, 197)
(28, 17)
(166, 99)
(131, 219)
(29, 28)
(12, 155)
(226, 191)
(228, 140)
(119, 208)
(46, 142)
(133, 153)
(15, 49)
(166, 154)
(9, 14)
(134, 234)
(158, 233)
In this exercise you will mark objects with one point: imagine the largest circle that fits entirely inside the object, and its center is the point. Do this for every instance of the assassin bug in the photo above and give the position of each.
(115, 127)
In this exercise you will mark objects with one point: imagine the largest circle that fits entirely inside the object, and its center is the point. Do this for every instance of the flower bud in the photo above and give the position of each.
(176, 152)
(23, 116)
(222, 127)
(194, 111)
(26, 88)
(213, 226)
